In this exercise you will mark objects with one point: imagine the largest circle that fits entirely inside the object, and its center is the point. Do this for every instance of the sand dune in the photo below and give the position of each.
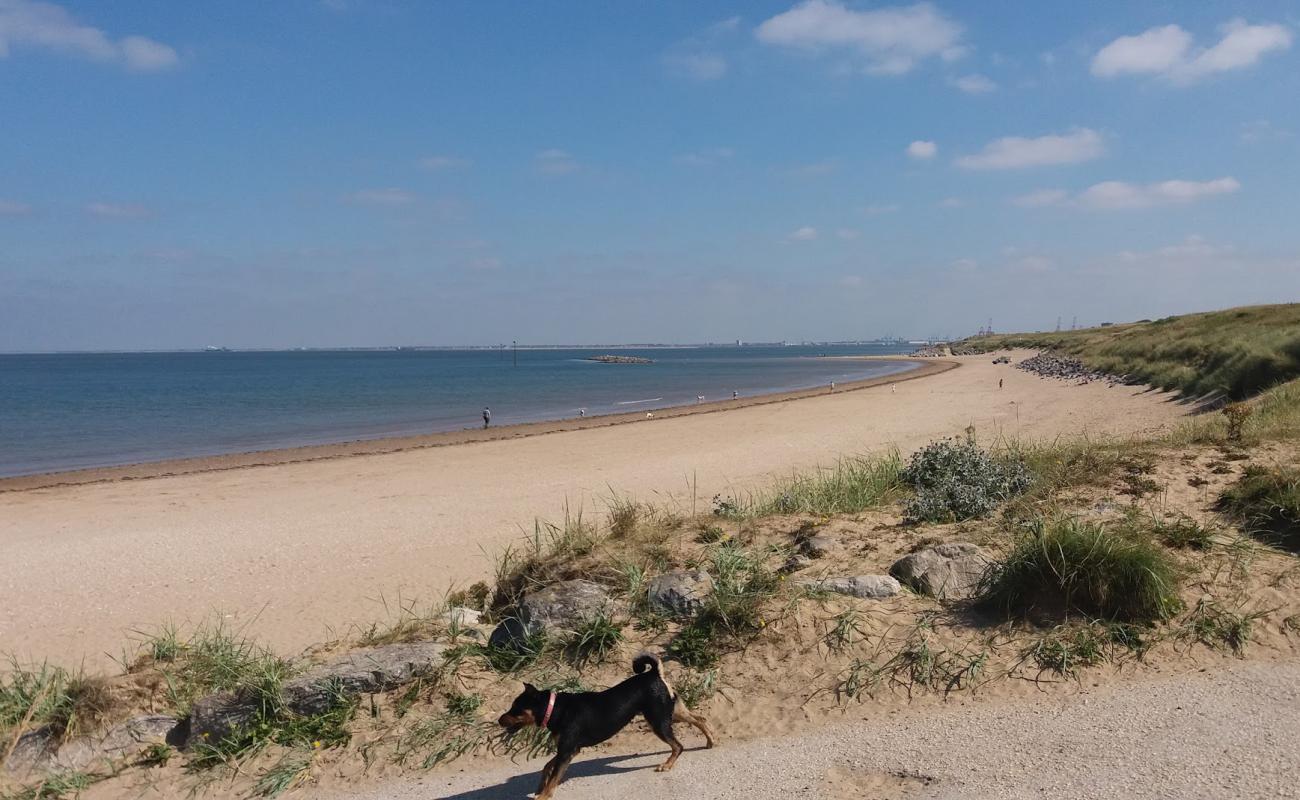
(291, 549)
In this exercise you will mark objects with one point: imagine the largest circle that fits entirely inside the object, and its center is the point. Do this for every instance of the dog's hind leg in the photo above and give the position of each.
(683, 714)
(661, 722)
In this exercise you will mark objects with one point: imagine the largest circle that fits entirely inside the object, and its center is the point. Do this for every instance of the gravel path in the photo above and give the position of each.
(1232, 733)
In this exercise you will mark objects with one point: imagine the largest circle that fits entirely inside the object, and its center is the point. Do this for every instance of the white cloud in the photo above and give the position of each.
(974, 84)
(921, 149)
(1042, 197)
(1120, 195)
(12, 208)
(390, 197)
(1016, 152)
(554, 162)
(805, 234)
(118, 211)
(1168, 52)
(1261, 130)
(893, 40)
(46, 26)
(705, 158)
(1113, 195)
(438, 163)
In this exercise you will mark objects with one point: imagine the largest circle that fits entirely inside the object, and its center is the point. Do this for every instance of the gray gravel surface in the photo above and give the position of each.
(1230, 733)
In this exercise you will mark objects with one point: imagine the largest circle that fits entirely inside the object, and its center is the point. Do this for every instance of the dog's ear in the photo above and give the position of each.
(530, 689)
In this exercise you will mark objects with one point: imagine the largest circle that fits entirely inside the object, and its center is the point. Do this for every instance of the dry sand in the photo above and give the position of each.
(290, 549)
(1219, 734)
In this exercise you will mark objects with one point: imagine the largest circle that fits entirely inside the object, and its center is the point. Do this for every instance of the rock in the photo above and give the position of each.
(680, 592)
(817, 546)
(868, 587)
(558, 608)
(122, 741)
(795, 563)
(373, 669)
(1047, 365)
(949, 571)
(34, 750)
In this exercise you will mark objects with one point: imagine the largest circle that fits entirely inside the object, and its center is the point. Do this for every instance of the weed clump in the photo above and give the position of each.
(957, 480)
(1267, 499)
(1067, 565)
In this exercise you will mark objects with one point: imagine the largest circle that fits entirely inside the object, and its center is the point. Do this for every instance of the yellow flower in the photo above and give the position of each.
(316, 744)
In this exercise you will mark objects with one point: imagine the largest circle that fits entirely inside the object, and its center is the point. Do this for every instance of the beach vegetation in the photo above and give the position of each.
(56, 786)
(595, 640)
(852, 485)
(1064, 566)
(1222, 629)
(1235, 353)
(51, 697)
(956, 480)
(1267, 500)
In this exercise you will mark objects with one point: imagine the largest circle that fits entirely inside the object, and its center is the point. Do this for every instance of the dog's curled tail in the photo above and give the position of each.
(647, 662)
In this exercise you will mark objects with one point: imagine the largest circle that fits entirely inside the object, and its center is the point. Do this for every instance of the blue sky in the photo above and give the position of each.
(372, 172)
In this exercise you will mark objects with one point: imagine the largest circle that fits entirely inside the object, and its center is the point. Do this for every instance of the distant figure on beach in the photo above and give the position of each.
(999, 383)
(735, 395)
(893, 387)
(832, 386)
(648, 415)
(487, 417)
(699, 398)
(582, 412)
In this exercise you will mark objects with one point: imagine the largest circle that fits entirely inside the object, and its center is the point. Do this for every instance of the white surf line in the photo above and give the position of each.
(638, 402)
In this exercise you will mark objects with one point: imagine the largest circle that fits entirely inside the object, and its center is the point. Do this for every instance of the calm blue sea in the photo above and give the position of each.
(69, 411)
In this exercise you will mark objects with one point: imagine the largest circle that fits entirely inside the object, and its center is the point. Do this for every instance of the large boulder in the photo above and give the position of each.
(867, 587)
(373, 669)
(682, 592)
(40, 750)
(950, 571)
(559, 608)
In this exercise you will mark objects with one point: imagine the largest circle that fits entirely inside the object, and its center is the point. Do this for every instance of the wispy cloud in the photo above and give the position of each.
(49, 27)
(805, 234)
(1168, 52)
(1119, 195)
(1018, 152)
(922, 150)
(554, 162)
(13, 208)
(1261, 130)
(390, 197)
(974, 84)
(440, 163)
(699, 57)
(705, 158)
(118, 211)
(891, 40)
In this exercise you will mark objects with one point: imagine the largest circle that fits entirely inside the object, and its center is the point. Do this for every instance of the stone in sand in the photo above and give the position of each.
(561, 607)
(682, 592)
(40, 750)
(867, 587)
(950, 571)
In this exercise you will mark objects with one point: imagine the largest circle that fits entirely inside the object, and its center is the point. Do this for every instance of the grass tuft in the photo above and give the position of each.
(1067, 565)
(1267, 499)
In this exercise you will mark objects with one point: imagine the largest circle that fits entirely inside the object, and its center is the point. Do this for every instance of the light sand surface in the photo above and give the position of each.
(294, 550)
(1219, 734)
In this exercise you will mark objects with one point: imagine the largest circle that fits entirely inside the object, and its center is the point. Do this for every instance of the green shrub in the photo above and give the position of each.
(1267, 499)
(956, 480)
(1072, 566)
(595, 640)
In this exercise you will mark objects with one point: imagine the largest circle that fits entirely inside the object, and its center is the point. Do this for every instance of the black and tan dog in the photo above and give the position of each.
(582, 719)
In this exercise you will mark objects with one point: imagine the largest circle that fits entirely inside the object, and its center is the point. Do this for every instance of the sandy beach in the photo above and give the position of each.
(294, 549)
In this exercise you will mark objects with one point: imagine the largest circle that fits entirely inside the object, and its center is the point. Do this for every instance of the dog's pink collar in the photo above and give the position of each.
(550, 706)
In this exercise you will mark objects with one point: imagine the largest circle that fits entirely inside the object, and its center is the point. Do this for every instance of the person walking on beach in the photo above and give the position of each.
(999, 383)
(832, 386)
(734, 394)
(582, 412)
(487, 417)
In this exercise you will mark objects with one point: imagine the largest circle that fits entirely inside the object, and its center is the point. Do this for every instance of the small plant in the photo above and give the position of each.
(1219, 628)
(1184, 533)
(956, 480)
(726, 507)
(595, 640)
(58, 786)
(852, 485)
(463, 704)
(1068, 648)
(1067, 565)
(860, 678)
(1268, 500)
(1235, 416)
(524, 651)
(845, 631)
(624, 516)
(156, 755)
(292, 770)
(695, 645)
(710, 534)
(695, 688)
(475, 596)
(51, 696)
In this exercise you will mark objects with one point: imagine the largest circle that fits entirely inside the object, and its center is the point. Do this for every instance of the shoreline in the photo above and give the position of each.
(172, 467)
